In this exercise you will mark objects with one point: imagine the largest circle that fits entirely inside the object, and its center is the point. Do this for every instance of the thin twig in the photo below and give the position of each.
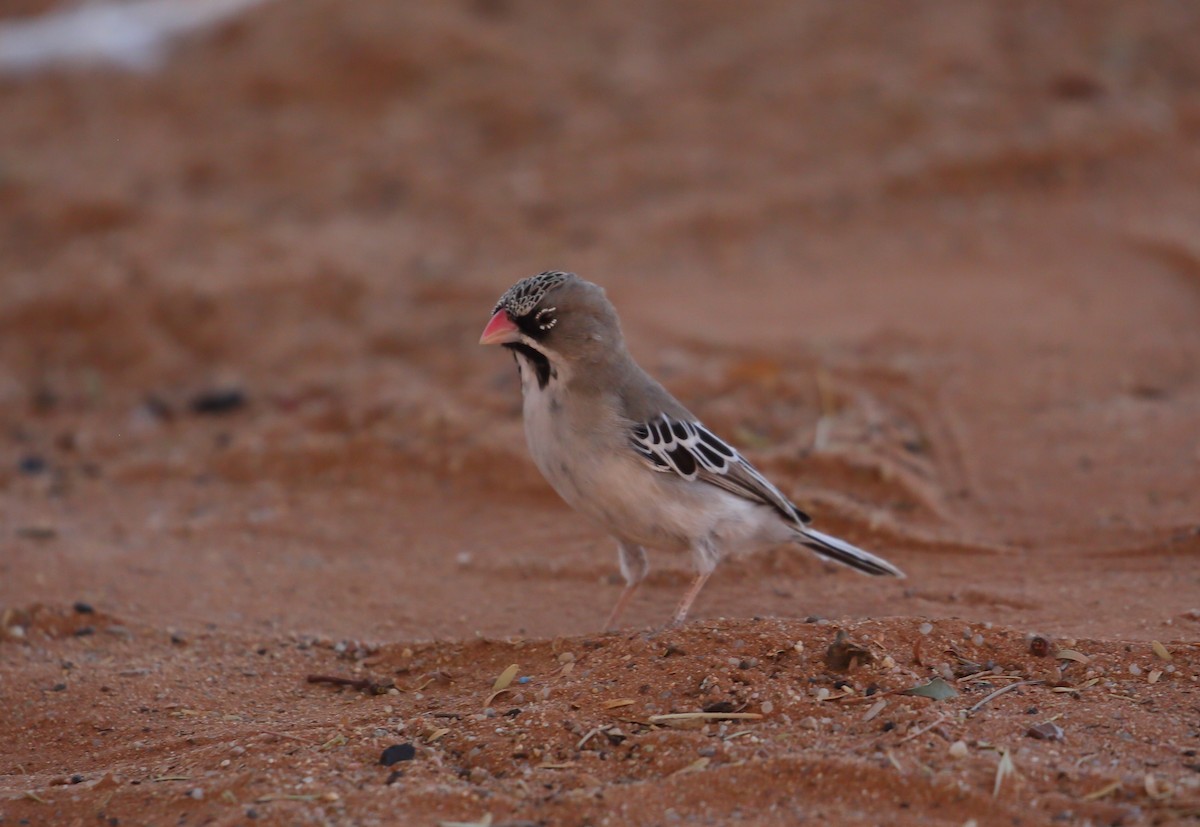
(362, 684)
(290, 737)
(941, 719)
(592, 732)
(1000, 692)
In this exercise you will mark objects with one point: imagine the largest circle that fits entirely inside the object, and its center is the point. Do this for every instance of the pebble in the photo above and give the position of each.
(958, 749)
(219, 401)
(83, 608)
(1046, 731)
(397, 753)
(925, 628)
(196, 793)
(1134, 669)
(32, 464)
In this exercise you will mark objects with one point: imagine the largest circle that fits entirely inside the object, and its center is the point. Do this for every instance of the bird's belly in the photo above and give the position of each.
(608, 483)
(662, 511)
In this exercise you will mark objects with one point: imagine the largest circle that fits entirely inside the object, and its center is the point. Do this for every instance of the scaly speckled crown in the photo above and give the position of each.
(522, 297)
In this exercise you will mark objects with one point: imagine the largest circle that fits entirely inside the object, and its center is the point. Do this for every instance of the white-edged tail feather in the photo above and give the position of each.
(842, 552)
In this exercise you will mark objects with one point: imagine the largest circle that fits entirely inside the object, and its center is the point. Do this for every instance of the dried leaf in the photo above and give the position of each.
(704, 716)
(1003, 770)
(1154, 789)
(937, 689)
(1107, 789)
(436, 734)
(1154, 676)
(486, 821)
(506, 678)
(1071, 654)
(1161, 651)
(875, 709)
(695, 766)
(615, 704)
(338, 740)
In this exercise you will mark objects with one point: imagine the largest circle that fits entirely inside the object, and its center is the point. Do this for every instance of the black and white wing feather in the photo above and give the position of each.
(695, 453)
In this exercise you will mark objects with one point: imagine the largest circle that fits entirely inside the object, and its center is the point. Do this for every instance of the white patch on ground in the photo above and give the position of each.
(131, 35)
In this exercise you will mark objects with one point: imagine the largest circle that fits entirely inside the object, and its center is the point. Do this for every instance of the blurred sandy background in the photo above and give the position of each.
(934, 266)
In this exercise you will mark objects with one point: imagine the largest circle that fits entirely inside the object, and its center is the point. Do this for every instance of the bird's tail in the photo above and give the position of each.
(842, 552)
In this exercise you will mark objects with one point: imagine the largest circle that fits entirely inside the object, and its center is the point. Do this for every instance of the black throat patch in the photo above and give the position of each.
(541, 365)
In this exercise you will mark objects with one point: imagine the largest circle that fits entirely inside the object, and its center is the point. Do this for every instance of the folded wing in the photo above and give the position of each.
(695, 453)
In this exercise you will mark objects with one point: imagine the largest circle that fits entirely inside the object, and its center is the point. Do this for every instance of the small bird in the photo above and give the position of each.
(625, 453)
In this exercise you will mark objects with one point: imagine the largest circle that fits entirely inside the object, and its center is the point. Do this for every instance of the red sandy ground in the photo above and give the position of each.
(937, 273)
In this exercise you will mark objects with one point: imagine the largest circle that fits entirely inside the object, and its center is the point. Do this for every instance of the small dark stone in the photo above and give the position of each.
(1039, 646)
(58, 687)
(178, 639)
(222, 401)
(888, 726)
(84, 631)
(512, 713)
(719, 706)
(77, 779)
(394, 777)
(252, 813)
(397, 753)
(84, 608)
(32, 464)
(1033, 710)
(157, 408)
(1045, 732)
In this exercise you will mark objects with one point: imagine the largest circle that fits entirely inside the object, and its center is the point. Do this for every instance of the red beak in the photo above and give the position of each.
(500, 330)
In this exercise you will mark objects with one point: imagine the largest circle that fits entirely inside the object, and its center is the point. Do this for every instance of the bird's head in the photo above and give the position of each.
(559, 316)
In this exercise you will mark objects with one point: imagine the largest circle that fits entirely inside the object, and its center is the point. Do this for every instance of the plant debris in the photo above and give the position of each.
(363, 684)
(1161, 651)
(844, 654)
(991, 697)
(937, 689)
(1003, 770)
(504, 681)
(704, 716)
(1071, 654)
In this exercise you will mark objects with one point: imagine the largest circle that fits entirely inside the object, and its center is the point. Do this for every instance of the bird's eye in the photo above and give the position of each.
(544, 318)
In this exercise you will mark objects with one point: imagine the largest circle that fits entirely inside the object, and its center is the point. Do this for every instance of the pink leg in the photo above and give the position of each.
(634, 566)
(622, 602)
(689, 597)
